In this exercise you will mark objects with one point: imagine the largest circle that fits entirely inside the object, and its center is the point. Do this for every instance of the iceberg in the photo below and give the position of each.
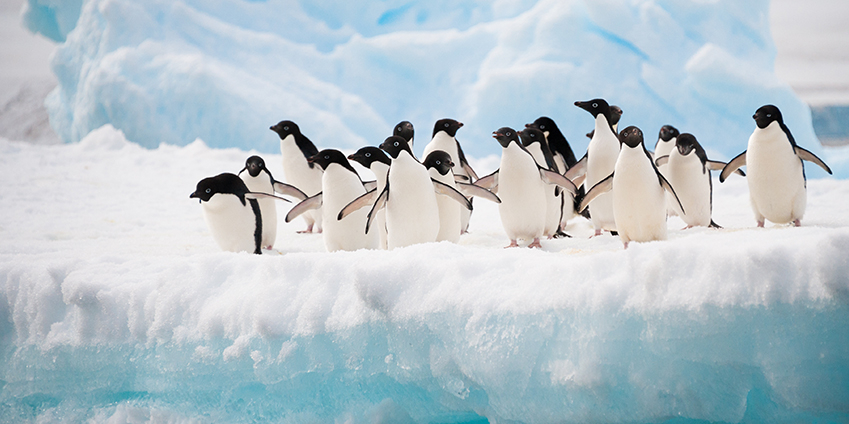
(224, 71)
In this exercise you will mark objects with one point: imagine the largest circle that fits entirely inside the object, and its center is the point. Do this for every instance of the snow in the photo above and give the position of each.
(224, 71)
(117, 306)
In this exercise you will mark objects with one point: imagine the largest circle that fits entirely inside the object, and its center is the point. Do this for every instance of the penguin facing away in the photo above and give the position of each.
(376, 160)
(776, 174)
(296, 148)
(340, 185)
(259, 179)
(520, 184)
(688, 171)
(232, 212)
(637, 190)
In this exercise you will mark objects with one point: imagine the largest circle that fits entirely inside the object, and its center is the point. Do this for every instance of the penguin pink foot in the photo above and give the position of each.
(307, 231)
(512, 244)
(760, 224)
(535, 244)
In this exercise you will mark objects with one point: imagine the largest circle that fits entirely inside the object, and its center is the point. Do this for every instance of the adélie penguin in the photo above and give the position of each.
(232, 212)
(340, 185)
(688, 171)
(533, 140)
(405, 130)
(776, 175)
(445, 138)
(637, 191)
(521, 185)
(412, 213)
(296, 148)
(665, 145)
(375, 160)
(259, 179)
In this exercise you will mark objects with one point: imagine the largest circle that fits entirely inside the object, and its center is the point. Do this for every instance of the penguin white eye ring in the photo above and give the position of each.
(368, 155)
(595, 105)
(396, 144)
(209, 190)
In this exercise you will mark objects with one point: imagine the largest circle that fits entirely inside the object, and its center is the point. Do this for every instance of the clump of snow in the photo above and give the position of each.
(117, 305)
(172, 71)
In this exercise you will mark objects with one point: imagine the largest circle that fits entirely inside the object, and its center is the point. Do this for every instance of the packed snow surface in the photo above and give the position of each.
(116, 305)
(166, 71)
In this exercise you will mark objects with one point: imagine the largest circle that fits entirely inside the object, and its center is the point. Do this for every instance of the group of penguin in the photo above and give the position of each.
(620, 185)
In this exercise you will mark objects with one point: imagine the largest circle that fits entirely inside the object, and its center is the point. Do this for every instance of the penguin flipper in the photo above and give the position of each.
(663, 160)
(462, 178)
(577, 169)
(310, 203)
(447, 190)
(598, 189)
(358, 203)
(551, 177)
(472, 190)
(668, 187)
(810, 157)
(489, 182)
(288, 190)
(715, 165)
(732, 166)
(370, 185)
(379, 204)
(464, 163)
(259, 195)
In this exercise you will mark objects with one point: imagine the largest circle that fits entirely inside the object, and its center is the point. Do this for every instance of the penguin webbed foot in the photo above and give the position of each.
(535, 244)
(760, 224)
(513, 243)
(797, 223)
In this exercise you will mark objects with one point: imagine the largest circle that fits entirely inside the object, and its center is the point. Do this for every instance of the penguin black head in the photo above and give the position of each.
(543, 123)
(440, 160)
(505, 135)
(450, 126)
(285, 128)
(766, 114)
(531, 135)
(686, 143)
(225, 183)
(615, 114)
(404, 129)
(254, 165)
(328, 156)
(394, 145)
(631, 136)
(668, 132)
(368, 155)
(596, 107)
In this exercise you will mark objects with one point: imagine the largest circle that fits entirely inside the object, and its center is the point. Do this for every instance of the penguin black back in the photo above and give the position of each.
(286, 128)
(557, 142)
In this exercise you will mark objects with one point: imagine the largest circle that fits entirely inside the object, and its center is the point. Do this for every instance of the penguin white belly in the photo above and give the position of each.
(553, 202)
(233, 225)
(268, 207)
(601, 160)
(523, 196)
(412, 215)
(380, 170)
(638, 198)
(342, 186)
(691, 183)
(775, 176)
(299, 174)
(446, 143)
(664, 148)
(449, 210)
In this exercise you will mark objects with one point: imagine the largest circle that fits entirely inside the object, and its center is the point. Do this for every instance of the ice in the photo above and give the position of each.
(116, 305)
(224, 71)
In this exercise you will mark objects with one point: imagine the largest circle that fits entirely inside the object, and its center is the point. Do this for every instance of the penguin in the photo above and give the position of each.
(444, 138)
(666, 140)
(296, 148)
(340, 185)
(688, 170)
(258, 179)
(615, 115)
(557, 143)
(232, 212)
(520, 184)
(533, 140)
(598, 162)
(376, 160)
(776, 174)
(439, 167)
(637, 190)
(405, 130)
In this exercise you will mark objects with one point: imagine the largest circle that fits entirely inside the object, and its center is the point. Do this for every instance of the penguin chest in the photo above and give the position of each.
(232, 224)
(692, 184)
(552, 212)
(639, 206)
(602, 153)
(449, 210)
(341, 186)
(523, 204)
(775, 175)
(412, 215)
(262, 184)
(297, 170)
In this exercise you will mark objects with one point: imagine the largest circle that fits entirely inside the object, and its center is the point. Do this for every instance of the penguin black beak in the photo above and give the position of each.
(193, 195)
(460, 124)
(755, 116)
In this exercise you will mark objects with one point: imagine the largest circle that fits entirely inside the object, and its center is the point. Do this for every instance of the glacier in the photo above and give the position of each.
(116, 306)
(225, 70)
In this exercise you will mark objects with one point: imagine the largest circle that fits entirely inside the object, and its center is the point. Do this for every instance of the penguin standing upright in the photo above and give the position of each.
(439, 167)
(665, 145)
(534, 141)
(340, 185)
(258, 179)
(376, 160)
(296, 148)
(444, 138)
(232, 212)
(776, 175)
(637, 187)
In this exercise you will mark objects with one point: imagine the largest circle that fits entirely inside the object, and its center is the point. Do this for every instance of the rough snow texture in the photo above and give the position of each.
(117, 306)
(172, 71)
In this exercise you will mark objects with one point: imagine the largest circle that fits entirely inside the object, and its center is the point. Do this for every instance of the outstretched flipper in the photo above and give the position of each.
(288, 190)
(370, 185)
(465, 164)
(360, 202)
(600, 188)
(715, 165)
(310, 203)
(732, 166)
(489, 182)
(260, 195)
(663, 160)
(447, 190)
(551, 177)
(577, 170)
(810, 157)
(472, 190)
(379, 204)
